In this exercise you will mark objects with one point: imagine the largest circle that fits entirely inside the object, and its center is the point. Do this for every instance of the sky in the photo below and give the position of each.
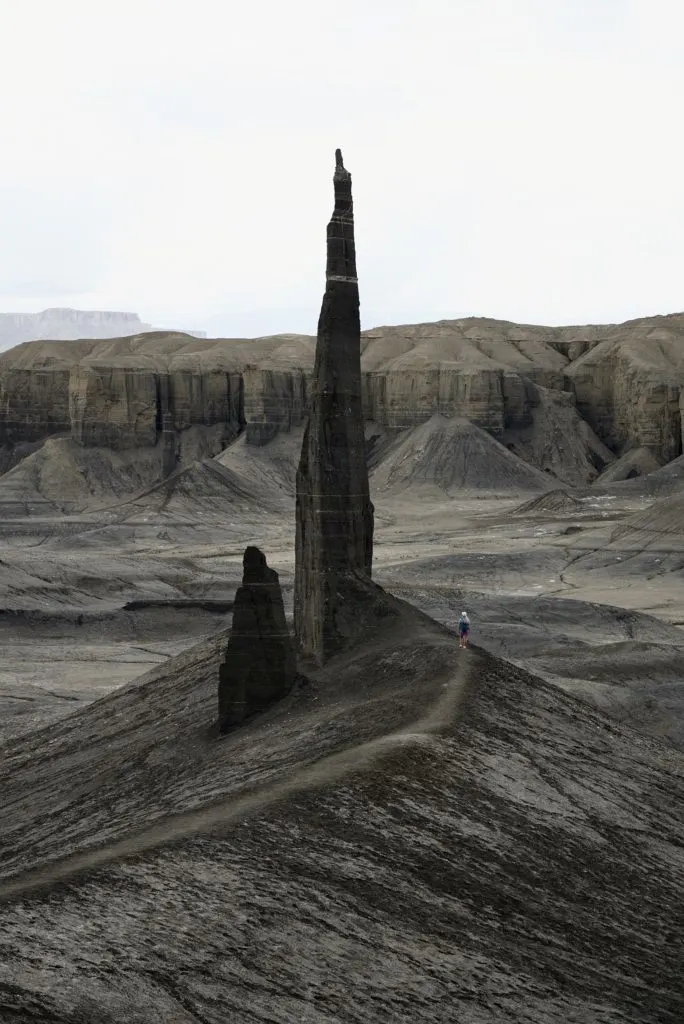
(517, 159)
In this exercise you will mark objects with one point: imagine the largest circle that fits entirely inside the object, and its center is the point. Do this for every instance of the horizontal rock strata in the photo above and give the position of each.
(334, 524)
(626, 382)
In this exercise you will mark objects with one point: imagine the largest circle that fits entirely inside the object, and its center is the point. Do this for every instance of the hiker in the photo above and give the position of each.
(464, 628)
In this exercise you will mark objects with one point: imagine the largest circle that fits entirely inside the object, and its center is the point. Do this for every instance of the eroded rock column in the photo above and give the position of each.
(334, 528)
(259, 664)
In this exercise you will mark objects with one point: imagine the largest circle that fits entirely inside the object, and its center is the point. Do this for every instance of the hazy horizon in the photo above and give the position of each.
(230, 332)
(517, 160)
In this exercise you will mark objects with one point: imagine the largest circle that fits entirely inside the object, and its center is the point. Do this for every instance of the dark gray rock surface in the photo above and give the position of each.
(422, 835)
(334, 534)
(259, 665)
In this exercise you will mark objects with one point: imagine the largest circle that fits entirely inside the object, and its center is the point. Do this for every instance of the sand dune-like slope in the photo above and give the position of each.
(63, 476)
(241, 485)
(660, 527)
(639, 462)
(658, 482)
(272, 468)
(448, 455)
(640, 560)
(200, 488)
(418, 834)
(551, 502)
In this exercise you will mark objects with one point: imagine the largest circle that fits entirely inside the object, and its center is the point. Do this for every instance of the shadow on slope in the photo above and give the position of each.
(244, 480)
(271, 468)
(202, 488)
(416, 815)
(639, 462)
(658, 483)
(549, 433)
(451, 455)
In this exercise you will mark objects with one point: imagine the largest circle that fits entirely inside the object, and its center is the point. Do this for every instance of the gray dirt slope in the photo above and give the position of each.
(418, 834)
(654, 482)
(451, 455)
(558, 501)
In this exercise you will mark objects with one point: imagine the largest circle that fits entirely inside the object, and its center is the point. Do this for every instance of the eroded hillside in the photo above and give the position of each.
(409, 837)
(567, 400)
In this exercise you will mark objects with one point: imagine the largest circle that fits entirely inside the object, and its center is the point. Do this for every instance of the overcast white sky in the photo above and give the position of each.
(520, 159)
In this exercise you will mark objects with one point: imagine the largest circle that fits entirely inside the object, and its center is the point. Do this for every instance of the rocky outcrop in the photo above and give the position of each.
(334, 514)
(209, 397)
(259, 666)
(401, 398)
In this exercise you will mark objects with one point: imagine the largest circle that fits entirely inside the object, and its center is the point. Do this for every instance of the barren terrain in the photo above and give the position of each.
(417, 833)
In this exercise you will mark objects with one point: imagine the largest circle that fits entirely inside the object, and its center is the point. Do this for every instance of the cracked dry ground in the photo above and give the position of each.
(525, 862)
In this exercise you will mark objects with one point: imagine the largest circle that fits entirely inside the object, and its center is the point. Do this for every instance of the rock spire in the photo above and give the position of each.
(259, 664)
(334, 528)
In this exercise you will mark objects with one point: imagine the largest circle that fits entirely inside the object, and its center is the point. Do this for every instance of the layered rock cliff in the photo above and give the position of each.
(629, 386)
(618, 387)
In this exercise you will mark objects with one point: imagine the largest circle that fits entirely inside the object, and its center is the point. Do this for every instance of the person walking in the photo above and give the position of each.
(464, 629)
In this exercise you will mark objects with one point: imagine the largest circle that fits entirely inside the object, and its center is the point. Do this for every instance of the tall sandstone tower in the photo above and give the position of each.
(334, 536)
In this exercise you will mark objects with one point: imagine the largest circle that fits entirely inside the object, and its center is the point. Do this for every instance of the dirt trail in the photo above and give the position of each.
(192, 823)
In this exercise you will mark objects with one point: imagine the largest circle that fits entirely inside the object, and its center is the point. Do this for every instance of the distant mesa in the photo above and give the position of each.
(64, 324)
